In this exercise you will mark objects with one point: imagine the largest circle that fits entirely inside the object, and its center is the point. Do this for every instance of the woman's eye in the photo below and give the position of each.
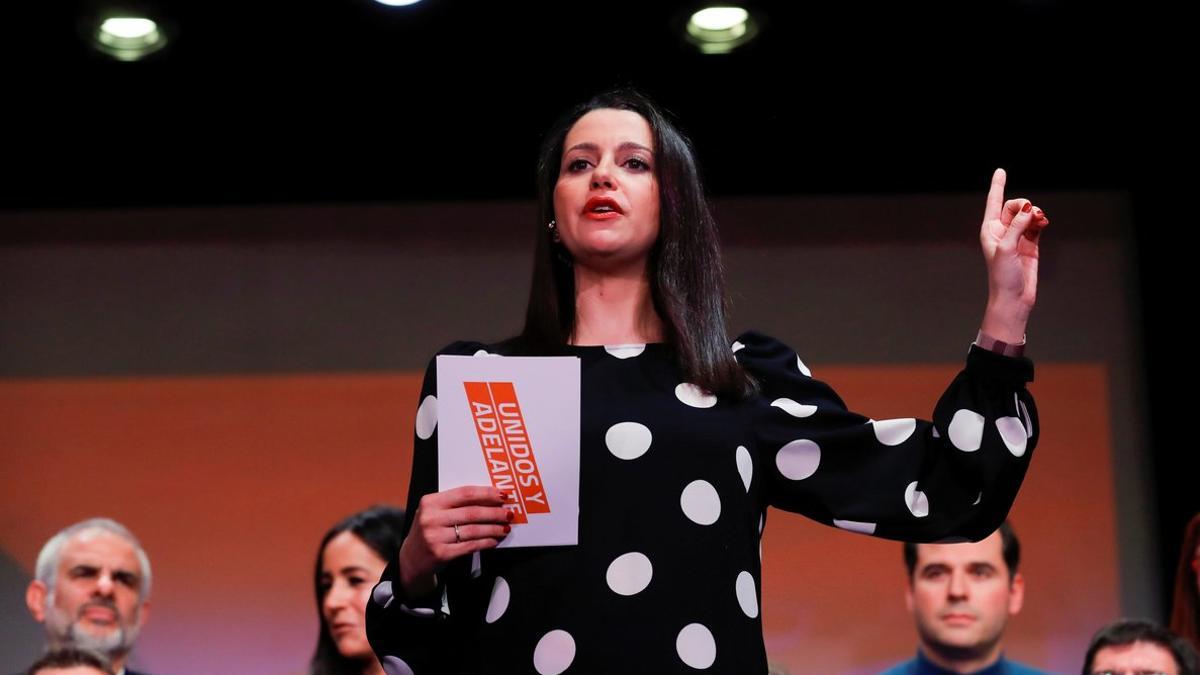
(636, 163)
(577, 165)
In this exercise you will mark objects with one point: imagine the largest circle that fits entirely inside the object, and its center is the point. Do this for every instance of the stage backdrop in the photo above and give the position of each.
(230, 382)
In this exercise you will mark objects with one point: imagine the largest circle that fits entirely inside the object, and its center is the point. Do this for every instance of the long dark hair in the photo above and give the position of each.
(379, 527)
(687, 282)
(1185, 611)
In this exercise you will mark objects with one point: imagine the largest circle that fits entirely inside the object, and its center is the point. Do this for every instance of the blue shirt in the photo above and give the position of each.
(923, 666)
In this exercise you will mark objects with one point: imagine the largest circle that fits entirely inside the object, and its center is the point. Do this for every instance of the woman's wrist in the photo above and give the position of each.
(985, 341)
(413, 583)
(1005, 320)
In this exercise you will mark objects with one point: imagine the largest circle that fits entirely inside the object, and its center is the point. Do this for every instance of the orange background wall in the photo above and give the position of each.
(231, 481)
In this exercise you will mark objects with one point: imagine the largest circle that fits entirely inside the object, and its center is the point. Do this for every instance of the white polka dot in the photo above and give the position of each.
(894, 432)
(499, 600)
(746, 595)
(935, 433)
(695, 396)
(394, 666)
(554, 653)
(1013, 433)
(803, 368)
(629, 574)
(628, 440)
(737, 346)
(625, 351)
(427, 417)
(481, 352)
(762, 520)
(446, 601)
(696, 646)
(859, 526)
(476, 565)
(700, 502)
(793, 408)
(799, 459)
(1028, 421)
(966, 430)
(745, 466)
(917, 502)
(382, 594)
(422, 612)
(978, 498)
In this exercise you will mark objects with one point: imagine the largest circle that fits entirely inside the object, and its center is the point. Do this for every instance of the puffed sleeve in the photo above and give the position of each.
(410, 635)
(905, 479)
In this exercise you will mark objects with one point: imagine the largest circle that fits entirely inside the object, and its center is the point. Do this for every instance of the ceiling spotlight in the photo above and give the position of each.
(720, 30)
(129, 38)
(397, 3)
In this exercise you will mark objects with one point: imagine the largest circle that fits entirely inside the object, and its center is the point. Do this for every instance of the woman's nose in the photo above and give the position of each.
(334, 599)
(602, 176)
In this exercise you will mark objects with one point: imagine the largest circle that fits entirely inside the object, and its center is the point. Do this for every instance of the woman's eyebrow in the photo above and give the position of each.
(627, 145)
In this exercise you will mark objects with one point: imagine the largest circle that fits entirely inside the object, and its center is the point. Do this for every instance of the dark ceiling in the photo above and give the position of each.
(348, 100)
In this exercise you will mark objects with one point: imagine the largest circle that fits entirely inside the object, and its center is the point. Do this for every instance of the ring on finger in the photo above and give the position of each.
(457, 535)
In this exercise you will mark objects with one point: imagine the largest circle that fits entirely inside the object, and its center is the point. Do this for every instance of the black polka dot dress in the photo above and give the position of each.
(674, 484)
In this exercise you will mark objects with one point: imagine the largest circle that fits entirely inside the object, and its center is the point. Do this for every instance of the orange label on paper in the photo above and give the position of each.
(507, 450)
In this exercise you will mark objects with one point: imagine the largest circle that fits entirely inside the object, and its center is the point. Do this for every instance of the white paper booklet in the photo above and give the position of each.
(513, 423)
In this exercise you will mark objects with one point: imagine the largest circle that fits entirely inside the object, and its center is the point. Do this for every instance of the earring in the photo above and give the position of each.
(560, 251)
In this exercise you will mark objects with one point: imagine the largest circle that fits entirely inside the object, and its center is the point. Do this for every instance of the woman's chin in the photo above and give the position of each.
(607, 254)
(354, 649)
